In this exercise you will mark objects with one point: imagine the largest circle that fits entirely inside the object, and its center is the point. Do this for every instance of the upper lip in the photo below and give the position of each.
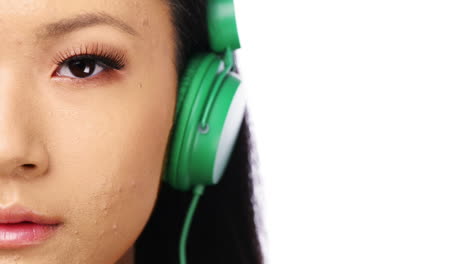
(17, 214)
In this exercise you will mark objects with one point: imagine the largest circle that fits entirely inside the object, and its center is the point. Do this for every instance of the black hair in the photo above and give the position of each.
(224, 228)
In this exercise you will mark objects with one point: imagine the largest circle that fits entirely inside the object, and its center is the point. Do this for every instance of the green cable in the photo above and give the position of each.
(197, 193)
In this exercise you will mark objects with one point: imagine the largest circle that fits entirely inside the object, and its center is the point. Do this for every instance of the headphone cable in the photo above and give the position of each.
(197, 193)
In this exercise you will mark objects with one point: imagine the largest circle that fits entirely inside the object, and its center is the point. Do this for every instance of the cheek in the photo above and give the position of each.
(112, 167)
(124, 195)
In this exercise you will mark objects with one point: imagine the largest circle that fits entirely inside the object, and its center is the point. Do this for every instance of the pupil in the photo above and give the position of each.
(82, 68)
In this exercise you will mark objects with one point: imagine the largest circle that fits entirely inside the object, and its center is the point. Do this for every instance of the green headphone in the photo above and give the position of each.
(209, 112)
(210, 107)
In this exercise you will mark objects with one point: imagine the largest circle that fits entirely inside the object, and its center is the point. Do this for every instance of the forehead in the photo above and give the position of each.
(39, 16)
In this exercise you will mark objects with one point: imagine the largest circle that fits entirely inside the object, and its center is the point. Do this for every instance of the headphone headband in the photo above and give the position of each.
(222, 27)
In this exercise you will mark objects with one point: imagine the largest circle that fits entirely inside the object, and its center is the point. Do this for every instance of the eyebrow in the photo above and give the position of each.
(67, 25)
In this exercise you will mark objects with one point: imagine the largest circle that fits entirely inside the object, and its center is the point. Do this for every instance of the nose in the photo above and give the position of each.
(22, 152)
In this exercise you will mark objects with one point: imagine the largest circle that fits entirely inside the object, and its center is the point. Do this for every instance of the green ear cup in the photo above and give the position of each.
(199, 156)
(200, 73)
(184, 85)
(222, 27)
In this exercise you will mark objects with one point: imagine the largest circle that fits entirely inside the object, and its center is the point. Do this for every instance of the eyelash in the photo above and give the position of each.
(107, 57)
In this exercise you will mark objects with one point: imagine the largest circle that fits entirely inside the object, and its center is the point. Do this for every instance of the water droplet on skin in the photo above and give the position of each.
(76, 232)
(114, 227)
(140, 85)
(95, 221)
(133, 183)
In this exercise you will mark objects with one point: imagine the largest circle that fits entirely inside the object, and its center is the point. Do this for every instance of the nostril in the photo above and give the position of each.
(29, 166)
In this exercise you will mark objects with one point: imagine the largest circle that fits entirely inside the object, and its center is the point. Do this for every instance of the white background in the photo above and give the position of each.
(360, 117)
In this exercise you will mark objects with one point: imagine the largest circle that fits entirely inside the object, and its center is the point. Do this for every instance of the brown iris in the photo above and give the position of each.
(82, 68)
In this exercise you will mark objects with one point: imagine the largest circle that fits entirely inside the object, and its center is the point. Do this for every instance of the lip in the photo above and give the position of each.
(21, 227)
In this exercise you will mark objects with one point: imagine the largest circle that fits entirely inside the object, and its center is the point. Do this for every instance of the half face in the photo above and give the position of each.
(87, 95)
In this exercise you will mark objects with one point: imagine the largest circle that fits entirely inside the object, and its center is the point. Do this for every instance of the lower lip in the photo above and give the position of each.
(24, 234)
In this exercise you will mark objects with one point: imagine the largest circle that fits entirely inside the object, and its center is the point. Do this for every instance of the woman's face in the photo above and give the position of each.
(83, 142)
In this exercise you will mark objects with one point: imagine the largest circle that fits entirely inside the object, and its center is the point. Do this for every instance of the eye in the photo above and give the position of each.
(81, 67)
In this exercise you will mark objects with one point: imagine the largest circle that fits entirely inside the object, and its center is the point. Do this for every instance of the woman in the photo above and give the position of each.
(87, 104)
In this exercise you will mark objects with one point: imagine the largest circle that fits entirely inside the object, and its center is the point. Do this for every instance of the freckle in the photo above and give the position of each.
(140, 85)
(145, 21)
